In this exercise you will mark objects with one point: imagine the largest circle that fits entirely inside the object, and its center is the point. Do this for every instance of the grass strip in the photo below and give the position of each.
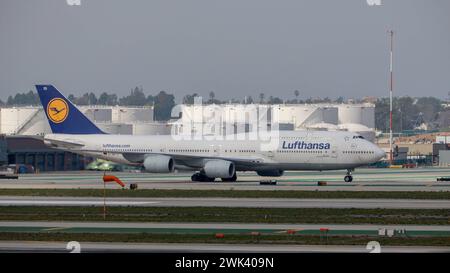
(442, 195)
(231, 215)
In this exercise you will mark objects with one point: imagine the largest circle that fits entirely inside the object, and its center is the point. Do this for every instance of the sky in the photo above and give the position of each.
(323, 48)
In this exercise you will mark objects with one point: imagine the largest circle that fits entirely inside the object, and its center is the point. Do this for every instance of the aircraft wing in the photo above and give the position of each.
(66, 143)
(198, 161)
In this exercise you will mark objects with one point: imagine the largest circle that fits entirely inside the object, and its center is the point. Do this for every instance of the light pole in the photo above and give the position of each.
(391, 64)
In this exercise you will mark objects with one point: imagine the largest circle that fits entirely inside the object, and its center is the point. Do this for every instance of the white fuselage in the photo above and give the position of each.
(295, 150)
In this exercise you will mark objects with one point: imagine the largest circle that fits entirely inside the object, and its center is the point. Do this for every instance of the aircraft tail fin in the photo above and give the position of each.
(62, 115)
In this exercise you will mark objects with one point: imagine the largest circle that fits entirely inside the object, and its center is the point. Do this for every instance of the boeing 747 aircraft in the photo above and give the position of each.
(296, 150)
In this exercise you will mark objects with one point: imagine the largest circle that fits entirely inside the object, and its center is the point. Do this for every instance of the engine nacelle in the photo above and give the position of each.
(219, 169)
(159, 164)
(270, 173)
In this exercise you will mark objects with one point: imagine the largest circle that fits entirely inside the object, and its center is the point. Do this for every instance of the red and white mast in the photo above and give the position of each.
(391, 62)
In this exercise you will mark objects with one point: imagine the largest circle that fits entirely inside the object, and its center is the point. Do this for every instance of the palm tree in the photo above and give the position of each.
(296, 93)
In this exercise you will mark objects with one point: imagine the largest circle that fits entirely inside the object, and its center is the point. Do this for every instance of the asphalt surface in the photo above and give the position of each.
(125, 225)
(120, 227)
(420, 179)
(87, 247)
(225, 202)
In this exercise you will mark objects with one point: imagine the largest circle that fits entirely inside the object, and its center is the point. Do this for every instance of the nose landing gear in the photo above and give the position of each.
(348, 177)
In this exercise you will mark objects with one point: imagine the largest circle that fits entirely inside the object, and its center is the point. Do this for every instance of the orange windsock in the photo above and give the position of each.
(112, 178)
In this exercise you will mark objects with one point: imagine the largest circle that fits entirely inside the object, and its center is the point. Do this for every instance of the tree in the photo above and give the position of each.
(92, 99)
(190, 99)
(248, 100)
(136, 98)
(86, 99)
(275, 100)
(430, 107)
(30, 98)
(339, 99)
(150, 100)
(72, 98)
(163, 106)
(211, 97)
(107, 99)
(261, 98)
(407, 113)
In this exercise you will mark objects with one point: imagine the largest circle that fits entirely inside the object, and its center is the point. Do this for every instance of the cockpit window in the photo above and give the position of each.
(355, 137)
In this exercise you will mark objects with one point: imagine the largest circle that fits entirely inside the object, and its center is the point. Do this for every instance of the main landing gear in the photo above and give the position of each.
(231, 179)
(348, 177)
(201, 177)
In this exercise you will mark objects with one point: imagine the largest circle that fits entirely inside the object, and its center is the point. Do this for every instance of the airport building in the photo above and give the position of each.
(444, 158)
(30, 154)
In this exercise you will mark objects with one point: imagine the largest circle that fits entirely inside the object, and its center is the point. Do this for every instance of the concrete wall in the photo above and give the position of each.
(444, 158)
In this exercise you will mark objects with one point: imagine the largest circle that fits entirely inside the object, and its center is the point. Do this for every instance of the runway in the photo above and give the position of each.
(421, 179)
(227, 202)
(155, 225)
(88, 247)
(212, 228)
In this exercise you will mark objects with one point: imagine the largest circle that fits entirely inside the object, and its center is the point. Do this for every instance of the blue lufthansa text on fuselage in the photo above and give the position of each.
(301, 145)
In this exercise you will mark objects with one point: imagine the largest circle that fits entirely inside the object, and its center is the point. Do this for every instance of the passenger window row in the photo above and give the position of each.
(358, 152)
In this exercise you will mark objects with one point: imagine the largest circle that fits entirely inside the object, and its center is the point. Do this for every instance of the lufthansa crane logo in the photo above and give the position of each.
(57, 110)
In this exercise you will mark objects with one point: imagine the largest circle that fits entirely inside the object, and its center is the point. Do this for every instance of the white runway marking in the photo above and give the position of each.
(72, 203)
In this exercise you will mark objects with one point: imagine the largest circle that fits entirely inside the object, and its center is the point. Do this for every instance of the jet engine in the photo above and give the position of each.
(159, 164)
(219, 168)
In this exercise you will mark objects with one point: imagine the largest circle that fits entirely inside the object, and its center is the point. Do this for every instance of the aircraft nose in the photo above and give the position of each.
(379, 153)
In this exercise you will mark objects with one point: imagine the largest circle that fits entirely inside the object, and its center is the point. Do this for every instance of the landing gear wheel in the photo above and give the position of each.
(231, 179)
(195, 177)
(349, 177)
(199, 177)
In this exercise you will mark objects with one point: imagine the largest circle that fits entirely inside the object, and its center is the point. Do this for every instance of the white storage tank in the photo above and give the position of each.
(191, 113)
(211, 113)
(323, 126)
(116, 128)
(350, 114)
(295, 114)
(305, 115)
(12, 119)
(97, 113)
(132, 114)
(368, 115)
(327, 114)
(38, 125)
(151, 128)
